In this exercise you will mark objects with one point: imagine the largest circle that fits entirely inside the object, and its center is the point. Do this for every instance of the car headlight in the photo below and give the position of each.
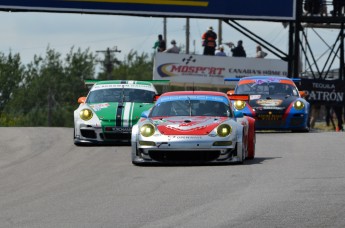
(86, 114)
(224, 130)
(239, 105)
(147, 130)
(298, 105)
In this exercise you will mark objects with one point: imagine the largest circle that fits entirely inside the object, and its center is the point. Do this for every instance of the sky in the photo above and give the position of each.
(31, 33)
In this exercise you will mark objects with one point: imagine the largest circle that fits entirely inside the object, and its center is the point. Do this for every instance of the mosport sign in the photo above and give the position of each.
(235, 9)
(212, 70)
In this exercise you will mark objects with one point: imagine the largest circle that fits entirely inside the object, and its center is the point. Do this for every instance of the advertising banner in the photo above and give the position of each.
(330, 92)
(235, 9)
(211, 70)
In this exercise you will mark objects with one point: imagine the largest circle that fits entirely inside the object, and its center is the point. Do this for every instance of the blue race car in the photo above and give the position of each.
(275, 103)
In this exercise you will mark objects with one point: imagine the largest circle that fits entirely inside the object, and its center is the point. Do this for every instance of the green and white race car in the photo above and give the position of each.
(110, 110)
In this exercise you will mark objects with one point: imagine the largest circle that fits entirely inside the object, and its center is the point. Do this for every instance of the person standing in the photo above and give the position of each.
(238, 51)
(173, 49)
(220, 51)
(259, 52)
(160, 44)
(209, 41)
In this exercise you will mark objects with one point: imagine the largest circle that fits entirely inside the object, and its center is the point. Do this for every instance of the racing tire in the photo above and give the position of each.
(251, 138)
(76, 142)
(133, 155)
(244, 151)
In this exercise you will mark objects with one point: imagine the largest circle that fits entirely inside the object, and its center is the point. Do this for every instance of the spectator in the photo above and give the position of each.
(209, 41)
(312, 7)
(314, 114)
(220, 51)
(259, 52)
(338, 6)
(173, 49)
(328, 116)
(239, 50)
(338, 110)
(160, 44)
(324, 8)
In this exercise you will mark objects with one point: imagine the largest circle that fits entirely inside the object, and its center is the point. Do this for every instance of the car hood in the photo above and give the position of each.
(110, 111)
(187, 125)
(257, 101)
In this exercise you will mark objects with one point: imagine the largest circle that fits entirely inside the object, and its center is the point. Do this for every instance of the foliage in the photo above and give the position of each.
(133, 67)
(45, 91)
(11, 75)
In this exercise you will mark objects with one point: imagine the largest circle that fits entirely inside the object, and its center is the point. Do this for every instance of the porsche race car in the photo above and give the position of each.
(110, 110)
(193, 127)
(275, 103)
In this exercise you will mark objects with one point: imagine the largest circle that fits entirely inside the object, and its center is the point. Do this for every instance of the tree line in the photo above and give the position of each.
(45, 91)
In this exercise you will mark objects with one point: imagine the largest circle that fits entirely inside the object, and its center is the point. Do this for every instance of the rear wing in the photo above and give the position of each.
(237, 79)
(231, 79)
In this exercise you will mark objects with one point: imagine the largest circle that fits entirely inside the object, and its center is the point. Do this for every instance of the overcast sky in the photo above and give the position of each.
(31, 33)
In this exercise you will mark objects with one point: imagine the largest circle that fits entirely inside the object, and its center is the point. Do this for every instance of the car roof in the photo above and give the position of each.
(277, 79)
(210, 93)
(265, 77)
(123, 82)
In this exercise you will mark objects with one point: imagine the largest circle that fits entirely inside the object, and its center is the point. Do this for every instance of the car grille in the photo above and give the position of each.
(297, 121)
(116, 136)
(270, 124)
(184, 156)
(270, 117)
(267, 124)
(88, 133)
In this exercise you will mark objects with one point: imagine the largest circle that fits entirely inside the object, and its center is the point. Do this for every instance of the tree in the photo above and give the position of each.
(133, 67)
(50, 89)
(45, 91)
(11, 75)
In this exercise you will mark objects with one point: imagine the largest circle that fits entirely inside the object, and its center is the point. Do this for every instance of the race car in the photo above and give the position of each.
(110, 110)
(275, 103)
(193, 127)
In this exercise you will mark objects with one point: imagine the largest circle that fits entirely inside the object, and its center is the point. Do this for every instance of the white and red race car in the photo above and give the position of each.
(193, 127)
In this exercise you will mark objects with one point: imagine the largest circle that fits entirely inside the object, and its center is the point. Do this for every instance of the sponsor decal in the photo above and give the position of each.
(175, 69)
(187, 137)
(98, 107)
(324, 91)
(119, 129)
(254, 97)
(203, 69)
(270, 117)
(120, 86)
(268, 80)
(273, 102)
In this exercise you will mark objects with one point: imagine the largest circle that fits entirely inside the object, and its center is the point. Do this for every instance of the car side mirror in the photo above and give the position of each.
(303, 93)
(145, 114)
(81, 100)
(230, 92)
(155, 98)
(238, 114)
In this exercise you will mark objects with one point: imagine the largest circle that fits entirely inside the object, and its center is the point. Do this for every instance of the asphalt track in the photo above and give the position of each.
(296, 180)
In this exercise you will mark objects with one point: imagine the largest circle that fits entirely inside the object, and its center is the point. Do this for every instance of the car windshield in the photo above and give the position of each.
(267, 89)
(191, 108)
(120, 95)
